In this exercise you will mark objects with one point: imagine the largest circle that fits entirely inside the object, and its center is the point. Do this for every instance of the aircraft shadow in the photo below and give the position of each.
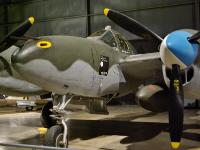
(119, 125)
(122, 125)
(135, 131)
(191, 136)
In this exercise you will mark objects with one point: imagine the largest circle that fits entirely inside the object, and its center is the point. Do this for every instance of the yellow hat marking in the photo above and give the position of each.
(42, 131)
(106, 10)
(31, 19)
(44, 44)
(175, 145)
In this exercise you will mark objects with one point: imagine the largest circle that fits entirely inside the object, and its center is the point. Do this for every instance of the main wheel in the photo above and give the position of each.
(45, 118)
(54, 137)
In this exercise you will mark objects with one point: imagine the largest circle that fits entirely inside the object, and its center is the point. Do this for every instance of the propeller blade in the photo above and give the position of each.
(131, 25)
(176, 107)
(194, 38)
(17, 32)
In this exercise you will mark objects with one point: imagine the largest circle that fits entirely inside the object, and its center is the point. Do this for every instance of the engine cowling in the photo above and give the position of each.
(153, 98)
(190, 79)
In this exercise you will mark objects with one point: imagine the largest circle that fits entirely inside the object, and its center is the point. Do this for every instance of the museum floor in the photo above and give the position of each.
(126, 128)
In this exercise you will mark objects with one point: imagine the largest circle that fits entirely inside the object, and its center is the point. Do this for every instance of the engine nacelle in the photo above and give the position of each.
(97, 106)
(153, 98)
(190, 79)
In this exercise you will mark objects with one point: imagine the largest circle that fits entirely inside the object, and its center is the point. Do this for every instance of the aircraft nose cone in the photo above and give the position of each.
(177, 42)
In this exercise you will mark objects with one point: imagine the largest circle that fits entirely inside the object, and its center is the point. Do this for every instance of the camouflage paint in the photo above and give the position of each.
(11, 83)
(71, 65)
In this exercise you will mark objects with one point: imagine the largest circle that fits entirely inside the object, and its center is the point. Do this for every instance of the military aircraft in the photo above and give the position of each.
(103, 66)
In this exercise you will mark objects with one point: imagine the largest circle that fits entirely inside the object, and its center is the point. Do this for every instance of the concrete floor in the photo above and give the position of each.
(126, 128)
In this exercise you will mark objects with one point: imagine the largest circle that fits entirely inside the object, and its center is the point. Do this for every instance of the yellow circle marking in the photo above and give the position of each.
(44, 44)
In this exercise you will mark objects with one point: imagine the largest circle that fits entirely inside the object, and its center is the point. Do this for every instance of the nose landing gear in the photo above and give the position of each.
(57, 134)
(45, 117)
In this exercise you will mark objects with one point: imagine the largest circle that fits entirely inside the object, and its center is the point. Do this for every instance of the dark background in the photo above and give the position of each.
(82, 17)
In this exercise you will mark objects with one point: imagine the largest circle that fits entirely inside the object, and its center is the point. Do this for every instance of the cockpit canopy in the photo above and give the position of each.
(113, 39)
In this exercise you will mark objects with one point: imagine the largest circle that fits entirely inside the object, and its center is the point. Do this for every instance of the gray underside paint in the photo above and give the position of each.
(80, 78)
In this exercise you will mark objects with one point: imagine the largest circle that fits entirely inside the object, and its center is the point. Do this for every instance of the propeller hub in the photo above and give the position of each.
(176, 49)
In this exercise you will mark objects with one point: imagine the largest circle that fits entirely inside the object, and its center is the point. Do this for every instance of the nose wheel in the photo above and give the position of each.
(57, 134)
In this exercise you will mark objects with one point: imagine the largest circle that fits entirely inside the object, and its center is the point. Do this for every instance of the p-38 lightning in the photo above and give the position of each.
(103, 66)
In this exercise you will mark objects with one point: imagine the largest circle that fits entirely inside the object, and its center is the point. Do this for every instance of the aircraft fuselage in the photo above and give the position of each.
(72, 65)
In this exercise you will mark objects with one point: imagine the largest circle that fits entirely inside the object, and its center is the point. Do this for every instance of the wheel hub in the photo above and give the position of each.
(59, 141)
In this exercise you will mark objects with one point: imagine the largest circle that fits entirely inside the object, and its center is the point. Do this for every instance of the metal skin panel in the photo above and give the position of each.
(153, 98)
(11, 83)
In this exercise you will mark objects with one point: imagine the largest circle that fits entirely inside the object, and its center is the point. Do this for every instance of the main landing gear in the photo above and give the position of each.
(54, 117)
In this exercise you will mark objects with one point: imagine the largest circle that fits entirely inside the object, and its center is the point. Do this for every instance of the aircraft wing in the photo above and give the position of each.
(143, 66)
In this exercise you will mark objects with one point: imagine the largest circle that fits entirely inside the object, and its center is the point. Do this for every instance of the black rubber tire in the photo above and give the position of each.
(54, 136)
(45, 118)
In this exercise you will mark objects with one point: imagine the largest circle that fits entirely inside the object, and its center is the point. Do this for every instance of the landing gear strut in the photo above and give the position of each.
(57, 135)
(46, 119)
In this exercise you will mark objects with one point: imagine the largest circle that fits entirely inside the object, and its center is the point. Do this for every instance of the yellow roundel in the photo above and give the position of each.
(44, 44)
